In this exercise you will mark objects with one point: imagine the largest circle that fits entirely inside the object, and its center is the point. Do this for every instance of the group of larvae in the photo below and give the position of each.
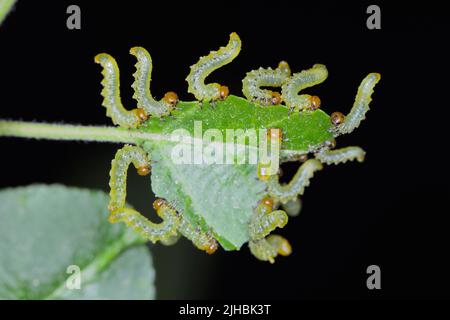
(266, 216)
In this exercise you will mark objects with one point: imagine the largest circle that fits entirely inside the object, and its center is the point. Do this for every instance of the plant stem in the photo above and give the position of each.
(72, 132)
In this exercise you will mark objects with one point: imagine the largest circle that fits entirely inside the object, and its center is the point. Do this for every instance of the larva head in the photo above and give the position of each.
(141, 114)
(143, 171)
(276, 98)
(158, 203)
(224, 92)
(337, 118)
(212, 247)
(268, 204)
(315, 102)
(170, 98)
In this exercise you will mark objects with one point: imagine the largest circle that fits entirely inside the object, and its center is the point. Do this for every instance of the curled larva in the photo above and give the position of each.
(297, 185)
(299, 81)
(111, 94)
(118, 173)
(206, 65)
(255, 79)
(361, 104)
(264, 221)
(141, 85)
(267, 249)
(163, 231)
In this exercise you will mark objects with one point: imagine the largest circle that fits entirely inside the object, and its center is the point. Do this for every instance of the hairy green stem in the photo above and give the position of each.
(36, 130)
(72, 132)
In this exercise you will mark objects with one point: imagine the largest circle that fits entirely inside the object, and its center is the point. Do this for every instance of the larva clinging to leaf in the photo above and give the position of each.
(141, 86)
(299, 81)
(206, 65)
(255, 79)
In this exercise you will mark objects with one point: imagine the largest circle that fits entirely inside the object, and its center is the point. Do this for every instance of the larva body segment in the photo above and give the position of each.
(297, 185)
(206, 65)
(202, 240)
(170, 241)
(263, 250)
(262, 245)
(111, 94)
(361, 104)
(293, 207)
(141, 85)
(299, 81)
(255, 79)
(164, 231)
(264, 221)
(340, 155)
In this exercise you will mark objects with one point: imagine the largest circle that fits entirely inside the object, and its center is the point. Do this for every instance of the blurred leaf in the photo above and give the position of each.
(5, 7)
(46, 229)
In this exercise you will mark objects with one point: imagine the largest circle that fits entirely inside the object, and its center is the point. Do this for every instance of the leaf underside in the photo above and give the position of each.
(216, 197)
(46, 229)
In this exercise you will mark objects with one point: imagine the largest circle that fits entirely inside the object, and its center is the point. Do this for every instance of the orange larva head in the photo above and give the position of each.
(268, 203)
(315, 102)
(158, 203)
(337, 118)
(170, 98)
(143, 171)
(141, 114)
(212, 247)
(276, 98)
(224, 92)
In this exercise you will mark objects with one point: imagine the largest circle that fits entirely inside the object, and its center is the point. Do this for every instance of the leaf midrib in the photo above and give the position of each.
(90, 272)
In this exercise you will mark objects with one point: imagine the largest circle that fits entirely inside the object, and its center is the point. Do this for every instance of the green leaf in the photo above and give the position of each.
(216, 197)
(46, 229)
(301, 131)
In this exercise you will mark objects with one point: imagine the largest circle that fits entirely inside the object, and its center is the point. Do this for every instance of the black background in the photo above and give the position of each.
(391, 211)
